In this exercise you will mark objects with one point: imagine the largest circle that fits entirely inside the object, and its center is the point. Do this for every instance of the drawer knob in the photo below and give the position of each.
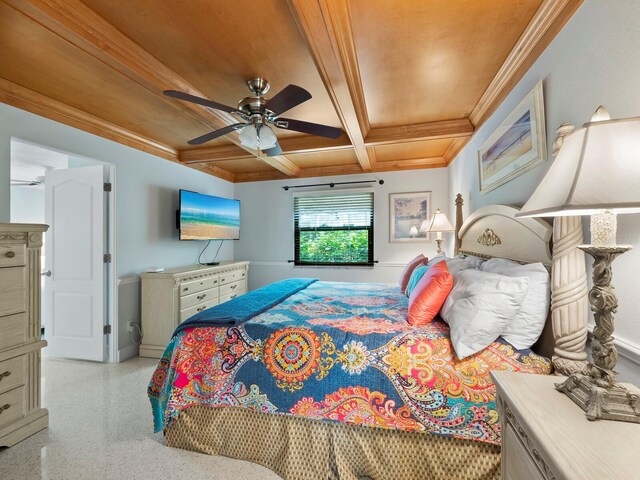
(222, 279)
(10, 254)
(201, 308)
(201, 297)
(243, 274)
(234, 295)
(4, 374)
(5, 407)
(186, 289)
(233, 287)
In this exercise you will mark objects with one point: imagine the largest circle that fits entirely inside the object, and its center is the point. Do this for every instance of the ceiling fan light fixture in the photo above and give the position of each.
(249, 137)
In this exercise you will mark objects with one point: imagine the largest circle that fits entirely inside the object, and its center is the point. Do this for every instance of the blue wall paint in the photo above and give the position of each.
(591, 62)
(147, 198)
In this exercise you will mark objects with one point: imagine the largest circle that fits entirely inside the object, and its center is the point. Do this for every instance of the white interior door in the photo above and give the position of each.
(74, 249)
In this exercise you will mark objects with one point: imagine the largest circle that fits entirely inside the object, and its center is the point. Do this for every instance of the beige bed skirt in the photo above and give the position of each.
(298, 448)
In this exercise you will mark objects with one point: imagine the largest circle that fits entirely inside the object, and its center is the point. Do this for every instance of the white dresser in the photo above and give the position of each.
(545, 436)
(171, 297)
(20, 412)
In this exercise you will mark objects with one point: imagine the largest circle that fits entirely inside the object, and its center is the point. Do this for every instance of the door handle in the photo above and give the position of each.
(46, 274)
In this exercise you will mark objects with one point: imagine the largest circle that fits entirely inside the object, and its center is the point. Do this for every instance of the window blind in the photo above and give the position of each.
(333, 229)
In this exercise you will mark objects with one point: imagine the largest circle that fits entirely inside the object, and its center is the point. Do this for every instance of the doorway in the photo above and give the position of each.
(75, 196)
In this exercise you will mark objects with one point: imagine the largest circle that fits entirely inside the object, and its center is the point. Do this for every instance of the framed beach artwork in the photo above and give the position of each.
(518, 144)
(408, 217)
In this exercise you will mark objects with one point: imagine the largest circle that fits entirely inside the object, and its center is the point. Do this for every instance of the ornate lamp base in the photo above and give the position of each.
(439, 242)
(598, 393)
(619, 402)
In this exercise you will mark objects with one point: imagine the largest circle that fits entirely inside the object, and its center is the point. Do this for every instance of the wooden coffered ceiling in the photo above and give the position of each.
(407, 81)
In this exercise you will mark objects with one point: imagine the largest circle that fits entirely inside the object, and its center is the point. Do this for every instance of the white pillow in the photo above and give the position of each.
(526, 327)
(463, 262)
(479, 307)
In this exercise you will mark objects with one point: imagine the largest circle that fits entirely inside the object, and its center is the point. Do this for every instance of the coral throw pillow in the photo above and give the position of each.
(430, 294)
(408, 270)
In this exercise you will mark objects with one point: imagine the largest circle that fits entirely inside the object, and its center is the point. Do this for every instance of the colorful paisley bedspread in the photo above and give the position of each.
(340, 352)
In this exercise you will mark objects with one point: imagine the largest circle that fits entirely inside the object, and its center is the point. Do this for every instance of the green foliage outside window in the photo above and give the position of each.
(334, 246)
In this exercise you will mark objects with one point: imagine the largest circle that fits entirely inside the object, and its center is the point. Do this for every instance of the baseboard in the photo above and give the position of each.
(127, 352)
(628, 350)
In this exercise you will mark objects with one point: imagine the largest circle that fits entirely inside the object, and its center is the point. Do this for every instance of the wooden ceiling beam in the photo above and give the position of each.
(212, 154)
(34, 102)
(423, 131)
(543, 27)
(289, 145)
(454, 148)
(325, 26)
(80, 26)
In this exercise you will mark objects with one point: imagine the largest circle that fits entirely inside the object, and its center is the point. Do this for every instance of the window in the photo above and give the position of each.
(333, 229)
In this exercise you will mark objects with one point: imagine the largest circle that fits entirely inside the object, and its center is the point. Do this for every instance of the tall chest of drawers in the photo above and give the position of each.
(21, 414)
(172, 296)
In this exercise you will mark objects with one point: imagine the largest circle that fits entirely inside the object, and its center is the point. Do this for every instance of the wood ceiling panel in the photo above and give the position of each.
(56, 69)
(425, 61)
(244, 165)
(412, 150)
(324, 159)
(218, 45)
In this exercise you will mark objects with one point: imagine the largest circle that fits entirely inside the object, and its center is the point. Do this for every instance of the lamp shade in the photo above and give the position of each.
(249, 137)
(597, 168)
(440, 223)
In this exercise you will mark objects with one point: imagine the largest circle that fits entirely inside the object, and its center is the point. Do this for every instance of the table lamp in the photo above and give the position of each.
(597, 173)
(439, 223)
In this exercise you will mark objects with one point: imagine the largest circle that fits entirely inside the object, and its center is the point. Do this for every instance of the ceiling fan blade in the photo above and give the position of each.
(200, 101)
(287, 98)
(308, 127)
(273, 151)
(215, 134)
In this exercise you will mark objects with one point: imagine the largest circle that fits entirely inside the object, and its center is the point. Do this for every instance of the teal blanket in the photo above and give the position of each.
(245, 307)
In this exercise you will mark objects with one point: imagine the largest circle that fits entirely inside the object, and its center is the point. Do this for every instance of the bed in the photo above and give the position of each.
(332, 382)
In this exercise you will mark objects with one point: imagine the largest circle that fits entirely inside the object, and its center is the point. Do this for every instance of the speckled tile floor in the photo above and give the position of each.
(100, 427)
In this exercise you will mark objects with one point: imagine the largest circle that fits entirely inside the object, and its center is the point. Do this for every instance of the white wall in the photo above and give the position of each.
(593, 61)
(147, 198)
(27, 205)
(267, 227)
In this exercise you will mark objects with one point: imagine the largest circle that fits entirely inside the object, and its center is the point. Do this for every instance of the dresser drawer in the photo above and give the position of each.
(190, 312)
(194, 299)
(198, 285)
(13, 373)
(13, 290)
(517, 463)
(12, 255)
(232, 276)
(12, 406)
(13, 330)
(235, 287)
(230, 296)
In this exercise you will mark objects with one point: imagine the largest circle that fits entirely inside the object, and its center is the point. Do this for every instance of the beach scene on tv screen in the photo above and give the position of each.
(203, 217)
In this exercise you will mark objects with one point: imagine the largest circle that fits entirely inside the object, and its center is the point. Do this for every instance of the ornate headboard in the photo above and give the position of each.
(494, 231)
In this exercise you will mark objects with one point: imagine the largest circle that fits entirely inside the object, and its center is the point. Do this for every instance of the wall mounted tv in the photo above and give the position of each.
(205, 217)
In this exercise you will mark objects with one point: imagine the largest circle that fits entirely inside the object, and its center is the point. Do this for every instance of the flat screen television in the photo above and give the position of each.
(205, 217)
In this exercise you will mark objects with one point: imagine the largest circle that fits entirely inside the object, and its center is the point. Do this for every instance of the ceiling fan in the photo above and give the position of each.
(259, 114)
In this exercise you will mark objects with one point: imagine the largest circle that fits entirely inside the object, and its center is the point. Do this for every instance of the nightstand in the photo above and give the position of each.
(546, 436)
